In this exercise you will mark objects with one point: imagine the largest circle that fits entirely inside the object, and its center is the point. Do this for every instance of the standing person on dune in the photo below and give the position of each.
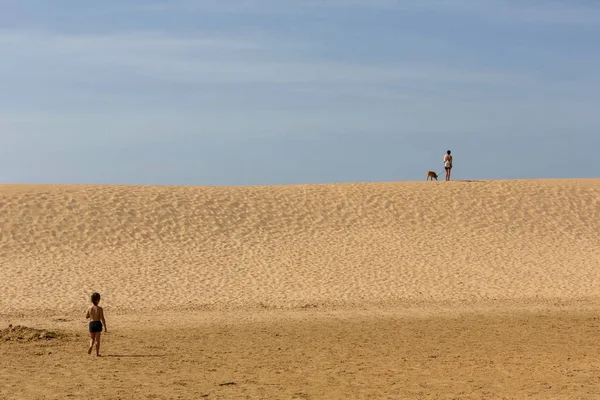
(448, 164)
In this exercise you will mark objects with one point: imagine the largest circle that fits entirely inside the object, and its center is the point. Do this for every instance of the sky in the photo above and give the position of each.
(267, 92)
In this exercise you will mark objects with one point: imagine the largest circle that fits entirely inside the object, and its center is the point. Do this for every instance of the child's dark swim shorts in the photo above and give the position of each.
(95, 326)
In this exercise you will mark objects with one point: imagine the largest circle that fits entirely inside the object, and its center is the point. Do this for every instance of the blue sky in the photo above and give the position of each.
(235, 92)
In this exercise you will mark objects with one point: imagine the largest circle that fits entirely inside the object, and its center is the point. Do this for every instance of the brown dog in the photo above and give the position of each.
(432, 175)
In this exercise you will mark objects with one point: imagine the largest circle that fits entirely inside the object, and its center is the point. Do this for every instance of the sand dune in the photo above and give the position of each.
(424, 290)
(298, 246)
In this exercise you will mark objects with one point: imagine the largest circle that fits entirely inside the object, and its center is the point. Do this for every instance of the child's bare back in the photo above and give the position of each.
(95, 313)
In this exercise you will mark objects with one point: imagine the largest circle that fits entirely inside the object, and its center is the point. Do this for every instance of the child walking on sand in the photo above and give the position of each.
(96, 314)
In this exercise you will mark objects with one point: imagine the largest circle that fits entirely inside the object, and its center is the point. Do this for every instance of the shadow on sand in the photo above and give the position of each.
(134, 355)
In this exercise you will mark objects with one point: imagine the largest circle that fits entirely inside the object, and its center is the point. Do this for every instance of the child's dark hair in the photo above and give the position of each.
(95, 298)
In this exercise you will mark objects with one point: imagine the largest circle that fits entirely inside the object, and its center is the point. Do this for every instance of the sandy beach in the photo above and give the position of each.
(424, 290)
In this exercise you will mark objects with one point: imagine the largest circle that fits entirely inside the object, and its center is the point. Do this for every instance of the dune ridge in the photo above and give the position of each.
(298, 246)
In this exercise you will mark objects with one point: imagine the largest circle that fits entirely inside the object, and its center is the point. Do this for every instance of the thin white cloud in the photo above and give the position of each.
(551, 12)
(200, 60)
(385, 97)
(528, 11)
(142, 40)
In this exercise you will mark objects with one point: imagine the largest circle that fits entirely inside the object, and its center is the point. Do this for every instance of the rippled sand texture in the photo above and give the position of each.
(298, 246)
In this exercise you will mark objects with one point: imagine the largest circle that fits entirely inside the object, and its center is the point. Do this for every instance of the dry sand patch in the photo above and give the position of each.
(468, 356)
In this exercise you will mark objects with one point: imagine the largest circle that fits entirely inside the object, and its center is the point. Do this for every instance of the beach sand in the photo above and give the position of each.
(425, 290)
